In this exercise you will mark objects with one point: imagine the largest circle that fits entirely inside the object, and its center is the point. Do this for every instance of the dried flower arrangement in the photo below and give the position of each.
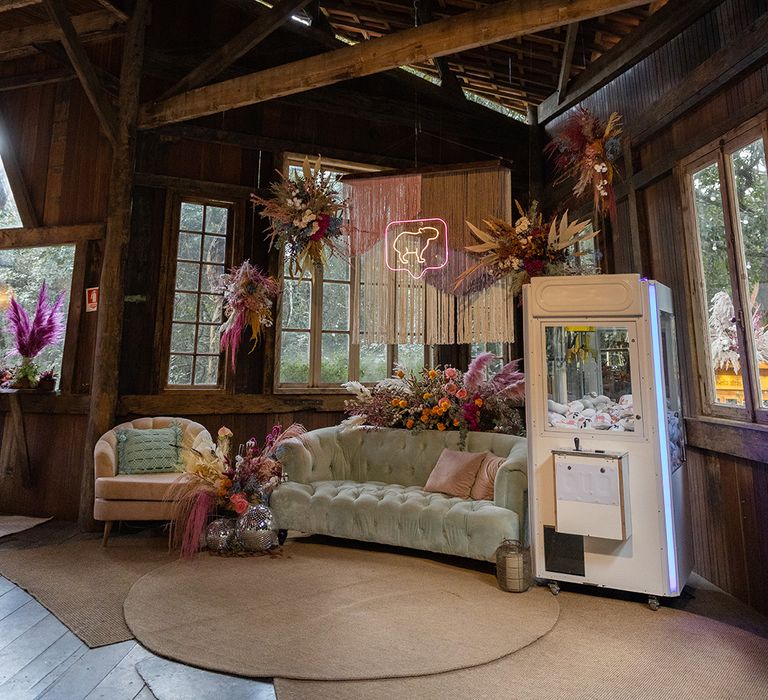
(212, 481)
(31, 337)
(442, 399)
(723, 338)
(248, 298)
(586, 149)
(305, 216)
(528, 248)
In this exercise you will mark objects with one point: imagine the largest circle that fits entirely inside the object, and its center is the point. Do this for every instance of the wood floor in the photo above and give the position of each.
(41, 658)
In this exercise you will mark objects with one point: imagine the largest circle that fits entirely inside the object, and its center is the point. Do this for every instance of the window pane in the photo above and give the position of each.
(294, 358)
(725, 360)
(335, 306)
(187, 276)
(336, 268)
(185, 307)
(191, 217)
(296, 303)
(208, 339)
(206, 370)
(752, 195)
(9, 214)
(373, 362)
(180, 369)
(214, 249)
(210, 308)
(334, 366)
(182, 337)
(411, 356)
(210, 277)
(189, 246)
(23, 270)
(589, 380)
(216, 220)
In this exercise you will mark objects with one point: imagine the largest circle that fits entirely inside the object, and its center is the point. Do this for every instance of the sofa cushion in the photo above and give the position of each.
(482, 489)
(454, 473)
(135, 487)
(405, 516)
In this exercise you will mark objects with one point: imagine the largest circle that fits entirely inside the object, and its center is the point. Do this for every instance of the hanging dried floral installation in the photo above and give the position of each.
(417, 302)
(586, 149)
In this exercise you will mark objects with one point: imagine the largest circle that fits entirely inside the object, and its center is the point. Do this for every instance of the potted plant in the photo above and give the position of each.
(32, 336)
(47, 381)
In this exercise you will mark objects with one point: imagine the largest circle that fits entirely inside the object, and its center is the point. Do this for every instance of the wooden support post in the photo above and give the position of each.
(636, 262)
(84, 68)
(565, 66)
(104, 382)
(243, 42)
(20, 434)
(535, 155)
(16, 178)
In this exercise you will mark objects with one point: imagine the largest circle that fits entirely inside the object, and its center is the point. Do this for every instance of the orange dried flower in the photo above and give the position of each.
(403, 403)
(441, 426)
(409, 423)
(479, 403)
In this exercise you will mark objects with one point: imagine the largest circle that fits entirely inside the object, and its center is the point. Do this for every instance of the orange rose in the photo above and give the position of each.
(441, 426)
(409, 423)
(424, 418)
(403, 403)
(395, 402)
(431, 374)
(479, 403)
(456, 422)
(426, 395)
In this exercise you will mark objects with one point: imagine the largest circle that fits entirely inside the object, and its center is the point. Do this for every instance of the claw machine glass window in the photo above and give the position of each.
(589, 377)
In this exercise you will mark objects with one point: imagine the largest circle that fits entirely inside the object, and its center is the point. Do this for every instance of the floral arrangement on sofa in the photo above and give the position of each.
(442, 399)
(212, 481)
(305, 214)
(528, 248)
(248, 298)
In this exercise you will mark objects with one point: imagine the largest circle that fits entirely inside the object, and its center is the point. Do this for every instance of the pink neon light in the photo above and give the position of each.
(407, 255)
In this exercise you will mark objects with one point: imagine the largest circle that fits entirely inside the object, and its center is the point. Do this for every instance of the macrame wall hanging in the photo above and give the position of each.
(410, 234)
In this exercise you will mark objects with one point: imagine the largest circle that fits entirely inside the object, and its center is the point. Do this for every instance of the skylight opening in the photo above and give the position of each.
(9, 212)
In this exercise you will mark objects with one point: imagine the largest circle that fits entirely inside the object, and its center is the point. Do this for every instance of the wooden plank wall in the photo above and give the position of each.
(728, 496)
(65, 161)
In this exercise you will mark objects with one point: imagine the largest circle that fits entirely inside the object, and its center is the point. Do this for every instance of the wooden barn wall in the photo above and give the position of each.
(65, 161)
(728, 473)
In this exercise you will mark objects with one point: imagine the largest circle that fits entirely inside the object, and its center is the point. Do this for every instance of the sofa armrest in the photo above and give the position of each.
(511, 485)
(296, 460)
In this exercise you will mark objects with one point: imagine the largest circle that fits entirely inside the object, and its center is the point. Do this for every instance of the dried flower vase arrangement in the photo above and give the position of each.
(442, 399)
(528, 248)
(305, 216)
(248, 298)
(586, 149)
(32, 336)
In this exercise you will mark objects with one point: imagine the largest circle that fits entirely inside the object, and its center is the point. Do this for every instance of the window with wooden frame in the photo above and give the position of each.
(200, 241)
(317, 321)
(726, 189)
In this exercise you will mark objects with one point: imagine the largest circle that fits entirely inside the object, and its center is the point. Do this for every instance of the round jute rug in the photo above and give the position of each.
(332, 613)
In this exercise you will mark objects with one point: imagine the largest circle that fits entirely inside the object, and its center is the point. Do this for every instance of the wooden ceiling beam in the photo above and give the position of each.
(565, 66)
(486, 26)
(86, 25)
(242, 43)
(6, 5)
(657, 30)
(82, 65)
(54, 75)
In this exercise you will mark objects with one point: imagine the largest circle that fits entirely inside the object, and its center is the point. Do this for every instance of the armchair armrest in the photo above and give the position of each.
(296, 460)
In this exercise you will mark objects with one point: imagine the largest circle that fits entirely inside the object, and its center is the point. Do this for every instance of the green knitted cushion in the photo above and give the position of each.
(151, 451)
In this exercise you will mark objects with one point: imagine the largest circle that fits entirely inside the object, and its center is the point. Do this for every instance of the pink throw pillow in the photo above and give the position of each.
(454, 473)
(482, 489)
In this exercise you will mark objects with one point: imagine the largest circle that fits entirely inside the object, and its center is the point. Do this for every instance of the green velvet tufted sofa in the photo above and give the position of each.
(367, 484)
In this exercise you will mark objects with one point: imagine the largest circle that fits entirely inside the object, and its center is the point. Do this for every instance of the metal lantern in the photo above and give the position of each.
(513, 566)
(255, 529)
(220, 535)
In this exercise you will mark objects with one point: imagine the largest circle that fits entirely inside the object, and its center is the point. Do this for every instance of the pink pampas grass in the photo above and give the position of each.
(475, 374)
(32, 337)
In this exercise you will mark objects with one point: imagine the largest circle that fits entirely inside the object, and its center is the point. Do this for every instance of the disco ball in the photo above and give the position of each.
(220, 535)
(255, 529)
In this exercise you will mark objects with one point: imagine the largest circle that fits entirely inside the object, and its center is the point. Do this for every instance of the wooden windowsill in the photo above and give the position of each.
(744, 440)
(47, 402)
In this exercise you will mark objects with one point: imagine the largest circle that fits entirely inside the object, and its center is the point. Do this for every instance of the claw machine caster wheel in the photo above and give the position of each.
(653, 602)
(554, 587)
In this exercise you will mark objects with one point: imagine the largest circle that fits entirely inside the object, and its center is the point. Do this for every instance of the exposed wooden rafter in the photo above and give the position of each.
(16, 178)
(658, 29)
(505, 20)
(54, 75)
(236, 47)
(84, 68)
(21, 40)
(565, 66)
(6, 5)
(49, 235)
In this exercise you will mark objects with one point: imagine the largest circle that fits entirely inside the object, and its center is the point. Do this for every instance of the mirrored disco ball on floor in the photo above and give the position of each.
(220, 535)
(255, 529)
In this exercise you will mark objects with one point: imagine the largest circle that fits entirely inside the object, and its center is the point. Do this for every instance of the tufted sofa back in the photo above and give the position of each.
(388, 455)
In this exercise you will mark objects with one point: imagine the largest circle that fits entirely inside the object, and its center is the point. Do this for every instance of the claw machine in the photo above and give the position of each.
(606, 447)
